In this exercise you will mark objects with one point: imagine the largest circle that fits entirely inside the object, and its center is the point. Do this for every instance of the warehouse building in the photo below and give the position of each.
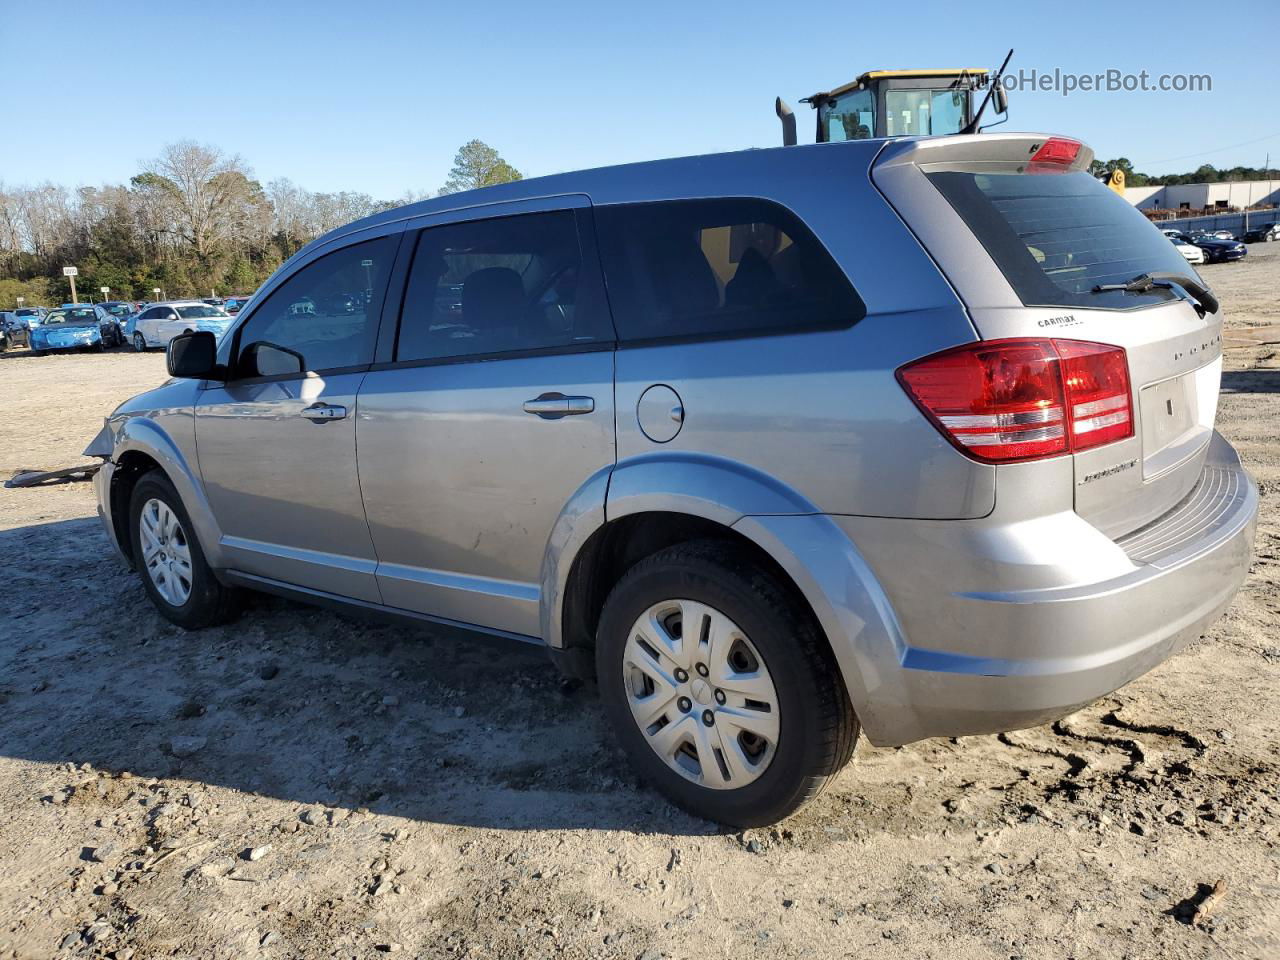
(1205, 196)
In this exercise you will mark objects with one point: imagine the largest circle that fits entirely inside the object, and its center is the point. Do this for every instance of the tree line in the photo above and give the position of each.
(1205, 173)
(193, 222)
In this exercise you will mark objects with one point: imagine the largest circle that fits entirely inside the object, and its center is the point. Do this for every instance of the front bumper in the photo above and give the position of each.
(65, 341)
(1000, 658)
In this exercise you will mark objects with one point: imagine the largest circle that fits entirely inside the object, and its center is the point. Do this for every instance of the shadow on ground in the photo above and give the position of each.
(298, 703)
(1251, 381)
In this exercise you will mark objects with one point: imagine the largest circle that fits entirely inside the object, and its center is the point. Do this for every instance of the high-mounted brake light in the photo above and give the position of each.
(1001, 401)
(1057, 150)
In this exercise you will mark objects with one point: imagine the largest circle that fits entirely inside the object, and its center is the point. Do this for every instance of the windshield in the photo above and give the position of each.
(913, 113)
(27, 312)
(119, 310)
(199, 313)
(850, 116)
(1056, 236)
(75, 316)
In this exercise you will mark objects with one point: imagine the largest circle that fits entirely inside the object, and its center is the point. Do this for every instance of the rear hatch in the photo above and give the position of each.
(1026, 236)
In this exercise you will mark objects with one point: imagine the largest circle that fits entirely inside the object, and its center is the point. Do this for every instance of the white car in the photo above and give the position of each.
(1190, 251)
(161, 322)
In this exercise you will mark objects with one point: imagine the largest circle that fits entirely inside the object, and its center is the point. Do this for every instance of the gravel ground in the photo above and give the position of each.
(300, 784)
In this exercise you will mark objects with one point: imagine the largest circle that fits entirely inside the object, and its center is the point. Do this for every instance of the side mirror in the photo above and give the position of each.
(262, 359)
(1001, 99)
(193, 356)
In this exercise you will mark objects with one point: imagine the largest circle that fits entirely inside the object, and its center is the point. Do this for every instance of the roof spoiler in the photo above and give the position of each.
(788, 118)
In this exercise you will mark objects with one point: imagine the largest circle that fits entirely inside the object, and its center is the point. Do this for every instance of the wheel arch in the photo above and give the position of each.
(143, 445)
(676, 490)
(657, 503)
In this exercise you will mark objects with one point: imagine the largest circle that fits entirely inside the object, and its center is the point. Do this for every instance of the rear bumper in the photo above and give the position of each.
(993, 657)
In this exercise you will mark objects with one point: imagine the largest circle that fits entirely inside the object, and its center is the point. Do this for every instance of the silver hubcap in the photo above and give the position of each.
(701, 695)
(165, 552)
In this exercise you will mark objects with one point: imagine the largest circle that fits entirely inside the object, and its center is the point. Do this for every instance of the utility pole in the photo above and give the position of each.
(1266, 165)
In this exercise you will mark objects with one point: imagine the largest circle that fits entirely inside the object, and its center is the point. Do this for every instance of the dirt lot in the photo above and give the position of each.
(409, 792)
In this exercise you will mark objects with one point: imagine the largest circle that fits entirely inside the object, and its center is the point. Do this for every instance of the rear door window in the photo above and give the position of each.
(1056, 236)
(715, 268)
(501, 286)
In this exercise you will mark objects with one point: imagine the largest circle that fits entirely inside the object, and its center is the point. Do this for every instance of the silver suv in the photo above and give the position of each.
(909, 437)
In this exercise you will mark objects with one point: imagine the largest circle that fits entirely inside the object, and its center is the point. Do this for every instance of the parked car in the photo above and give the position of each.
(30, 316)
(233, 305)
(1220, 235)
(1264, 233)
(835, 455)
(1189, 251)
(160, 322)
(122, 310)
(1217, 250)
(86, 326)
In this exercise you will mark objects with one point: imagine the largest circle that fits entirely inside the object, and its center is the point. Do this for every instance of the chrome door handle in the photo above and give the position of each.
(324, 412)
(553, 406)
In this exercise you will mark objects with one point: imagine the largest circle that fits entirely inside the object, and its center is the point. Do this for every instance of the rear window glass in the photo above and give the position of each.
(1057, 236)
(707, 268)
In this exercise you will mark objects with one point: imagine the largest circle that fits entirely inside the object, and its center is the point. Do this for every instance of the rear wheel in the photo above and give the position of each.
(166, 552)
(139, 343)
(720, 685)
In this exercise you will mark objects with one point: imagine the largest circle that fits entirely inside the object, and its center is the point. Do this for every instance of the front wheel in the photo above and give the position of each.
(165, 550)
(139, 343)
(721, 686)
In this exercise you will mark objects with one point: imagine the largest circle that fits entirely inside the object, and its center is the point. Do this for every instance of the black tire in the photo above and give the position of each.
(139, 343)
(209, 603)
(818, 728)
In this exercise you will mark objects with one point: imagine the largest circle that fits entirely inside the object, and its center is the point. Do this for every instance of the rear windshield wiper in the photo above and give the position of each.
(1198, 292)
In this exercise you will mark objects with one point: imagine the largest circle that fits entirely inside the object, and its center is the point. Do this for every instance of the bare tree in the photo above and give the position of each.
(204, 186)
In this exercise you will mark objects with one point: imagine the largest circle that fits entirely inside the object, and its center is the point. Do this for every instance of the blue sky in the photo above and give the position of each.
(377, 95)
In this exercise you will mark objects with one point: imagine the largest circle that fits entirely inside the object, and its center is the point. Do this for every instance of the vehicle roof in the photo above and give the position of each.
(644, 181)
(177, 303)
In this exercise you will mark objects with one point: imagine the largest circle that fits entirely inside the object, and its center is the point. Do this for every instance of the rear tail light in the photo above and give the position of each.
(1001, 401)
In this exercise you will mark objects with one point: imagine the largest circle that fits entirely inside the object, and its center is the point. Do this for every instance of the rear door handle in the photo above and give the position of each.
(553, 406)
(324, 412)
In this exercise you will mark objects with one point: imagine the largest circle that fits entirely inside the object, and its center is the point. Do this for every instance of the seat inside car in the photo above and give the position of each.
(493, 304)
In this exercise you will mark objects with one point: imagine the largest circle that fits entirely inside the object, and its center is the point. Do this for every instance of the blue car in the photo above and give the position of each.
(75, 328)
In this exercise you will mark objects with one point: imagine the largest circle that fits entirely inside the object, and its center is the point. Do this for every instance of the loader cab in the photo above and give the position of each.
(900, 103)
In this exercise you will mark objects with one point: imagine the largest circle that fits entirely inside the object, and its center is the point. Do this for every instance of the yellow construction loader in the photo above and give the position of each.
(902, 103)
